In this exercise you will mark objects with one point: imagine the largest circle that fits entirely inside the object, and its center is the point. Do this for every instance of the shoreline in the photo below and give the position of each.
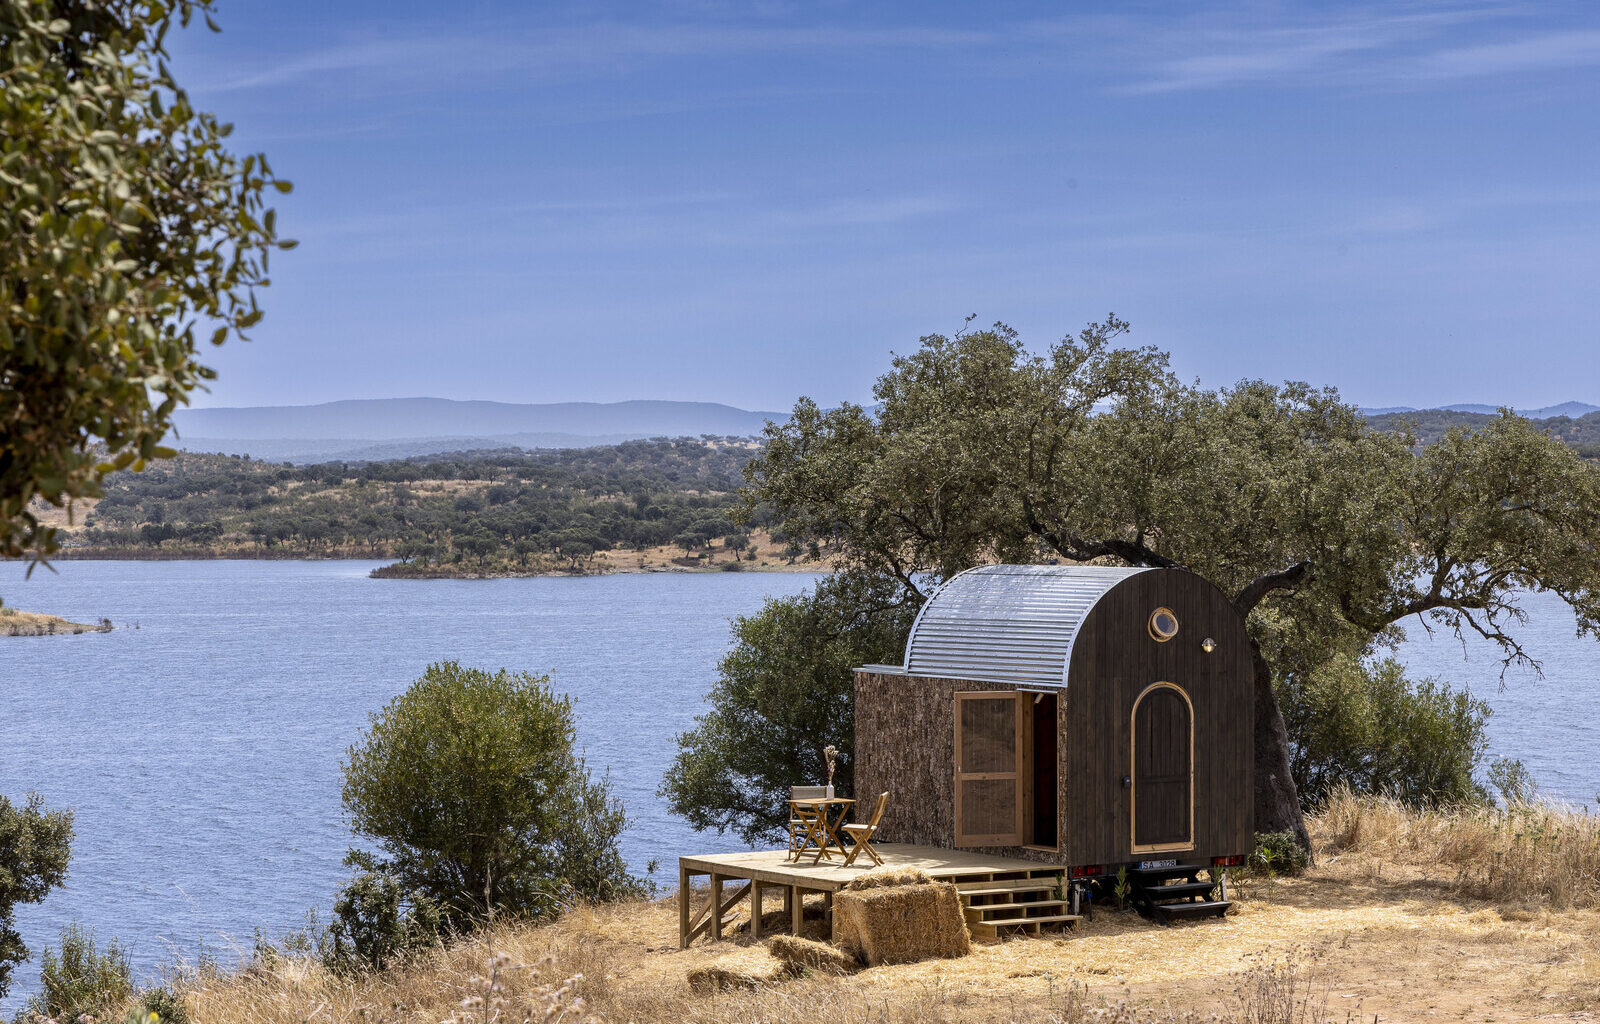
(14, 622)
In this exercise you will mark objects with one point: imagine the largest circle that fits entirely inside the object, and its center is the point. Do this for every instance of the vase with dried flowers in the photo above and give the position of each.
(830, 754)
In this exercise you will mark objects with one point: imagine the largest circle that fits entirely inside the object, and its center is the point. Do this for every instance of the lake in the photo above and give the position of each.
(199, 743)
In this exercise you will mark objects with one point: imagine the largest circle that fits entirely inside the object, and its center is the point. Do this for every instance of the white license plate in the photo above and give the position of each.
(1158, 864)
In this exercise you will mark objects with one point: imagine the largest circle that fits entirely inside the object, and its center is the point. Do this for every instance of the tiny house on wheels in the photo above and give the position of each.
(1090, 717)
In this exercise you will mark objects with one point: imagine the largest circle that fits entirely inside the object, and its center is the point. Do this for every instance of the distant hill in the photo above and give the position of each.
(1569, 409)
(364, 430)
(1582, 432)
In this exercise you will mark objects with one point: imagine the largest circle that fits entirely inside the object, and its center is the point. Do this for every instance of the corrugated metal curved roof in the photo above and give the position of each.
(1007, 623)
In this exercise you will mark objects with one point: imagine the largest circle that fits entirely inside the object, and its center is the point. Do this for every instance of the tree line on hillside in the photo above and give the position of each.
(512, 509)
(1431, 425)
(505, 510)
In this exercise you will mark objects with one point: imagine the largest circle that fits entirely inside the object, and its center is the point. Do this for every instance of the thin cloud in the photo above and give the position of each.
(570, 50)
(1359, 48)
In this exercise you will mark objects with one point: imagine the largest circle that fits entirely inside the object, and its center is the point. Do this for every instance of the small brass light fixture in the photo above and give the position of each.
(1208, 645)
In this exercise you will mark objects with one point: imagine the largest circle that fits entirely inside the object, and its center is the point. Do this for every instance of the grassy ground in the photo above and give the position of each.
(1383, 928)
(19, 623)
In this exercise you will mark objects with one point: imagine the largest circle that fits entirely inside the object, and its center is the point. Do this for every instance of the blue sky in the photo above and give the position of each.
(747, 202)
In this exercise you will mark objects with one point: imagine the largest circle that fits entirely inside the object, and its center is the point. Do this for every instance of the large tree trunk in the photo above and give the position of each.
(1277, 798)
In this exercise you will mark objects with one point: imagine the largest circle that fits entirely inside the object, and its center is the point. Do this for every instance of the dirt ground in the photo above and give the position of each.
(1370, 941)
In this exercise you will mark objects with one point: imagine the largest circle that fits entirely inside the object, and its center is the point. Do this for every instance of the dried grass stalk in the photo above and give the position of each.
(801, 955)
(747, 969)
(1523, 852)
(879, 878)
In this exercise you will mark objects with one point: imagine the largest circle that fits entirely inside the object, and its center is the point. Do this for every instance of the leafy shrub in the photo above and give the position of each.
(1278, 853)
(376, 922)
(1365, 726)
(1515, 784)
(469, 785)
(167, 1006)
(80, 979)
(34, 845)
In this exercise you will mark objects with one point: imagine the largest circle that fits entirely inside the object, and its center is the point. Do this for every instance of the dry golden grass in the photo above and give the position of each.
(1387, 924)
(1529, 852)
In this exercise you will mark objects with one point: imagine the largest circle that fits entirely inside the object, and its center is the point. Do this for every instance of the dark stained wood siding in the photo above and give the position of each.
(1113, 659)
(905, 729)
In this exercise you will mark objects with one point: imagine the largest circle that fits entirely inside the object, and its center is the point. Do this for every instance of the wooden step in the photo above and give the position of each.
(1177, 889)
(982, 910)
(1012, 922)
(1014, 903)
(1168, 911)
(1007, 885)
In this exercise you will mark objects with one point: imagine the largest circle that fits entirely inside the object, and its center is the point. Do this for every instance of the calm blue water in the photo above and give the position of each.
(201, 750)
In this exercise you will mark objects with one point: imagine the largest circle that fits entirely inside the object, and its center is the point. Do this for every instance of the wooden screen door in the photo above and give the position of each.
(1163, 770)
(990, 769)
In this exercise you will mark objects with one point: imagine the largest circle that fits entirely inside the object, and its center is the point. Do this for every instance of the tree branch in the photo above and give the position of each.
(1257, 589)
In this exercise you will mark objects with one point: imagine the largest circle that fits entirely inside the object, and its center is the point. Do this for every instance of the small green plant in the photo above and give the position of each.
(1278, 853)
(1122, 889)
(377, 922)
(1511, 778)
(80, 979)
(162, 1004)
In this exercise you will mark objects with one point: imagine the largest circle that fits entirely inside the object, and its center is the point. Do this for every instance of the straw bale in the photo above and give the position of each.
(879, 878)
(748, 969)
(800, 955)
(902, 923)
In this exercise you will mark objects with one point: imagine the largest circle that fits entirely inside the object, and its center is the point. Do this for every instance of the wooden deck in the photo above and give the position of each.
(761, 870)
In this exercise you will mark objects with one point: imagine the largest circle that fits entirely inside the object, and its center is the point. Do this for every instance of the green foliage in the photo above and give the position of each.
(34, 847)
(1278, 853)
(469, 785)
(1324, 532)
(126, 230)
(1513, 781)
(783, 694)
(376, 922)
(1429, 425)
(541, 510)
(1365, 726)
(81, 979)
(167, 1006)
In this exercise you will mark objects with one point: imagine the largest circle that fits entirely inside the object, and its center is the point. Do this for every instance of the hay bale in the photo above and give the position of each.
(801, 955)
(900, 924)
(882, 878)
(746, 969)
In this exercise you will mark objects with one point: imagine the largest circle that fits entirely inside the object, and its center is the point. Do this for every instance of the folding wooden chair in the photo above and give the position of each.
(861, 835)
(805, 823)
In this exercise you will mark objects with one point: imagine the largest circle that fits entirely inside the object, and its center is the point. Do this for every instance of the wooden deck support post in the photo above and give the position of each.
(794, 899)
(683, 907)
(755, 909)
(716, 907)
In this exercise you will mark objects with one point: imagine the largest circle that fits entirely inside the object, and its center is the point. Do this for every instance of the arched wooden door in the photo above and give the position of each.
(1162, 773)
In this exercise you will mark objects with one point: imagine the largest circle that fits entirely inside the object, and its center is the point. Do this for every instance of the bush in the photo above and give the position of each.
(82, 980)
(1515, 784)
(1278, 853)
(469, 785)
(376, 922)
(34, 847)
(785, 692)
(1365, 726)
(167, 1005)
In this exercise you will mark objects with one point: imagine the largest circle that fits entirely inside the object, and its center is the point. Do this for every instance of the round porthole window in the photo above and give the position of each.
(1163, 625)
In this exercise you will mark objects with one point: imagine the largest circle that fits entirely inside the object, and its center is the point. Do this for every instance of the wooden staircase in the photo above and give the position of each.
(1175, 893)
(1025, 903)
